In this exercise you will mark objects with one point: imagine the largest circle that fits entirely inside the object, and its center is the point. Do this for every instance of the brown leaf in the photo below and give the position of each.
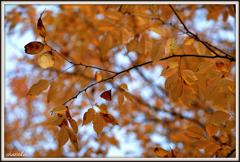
(40, 26)
(74, 125)
(195, 131)
(57, 120)
(161, 152)
(108, 118)
(63, 136)
(106, 95)
(33, 47)
(88, 116)
(98, 123)
(52, 92)
(219, 117)
(36, 89)
(73, 138)
(212, 130)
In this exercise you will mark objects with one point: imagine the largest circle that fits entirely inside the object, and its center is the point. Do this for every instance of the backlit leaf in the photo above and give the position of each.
(189, 76)
(63, 136)
(157, 52)
(145, 43)
(195, 131)
(40, 26)
(172, 45)
(202, 143)
(120, 99)
(46, 60)
(171, 82)
(98, 77)
(36, 89)
(52, 92)
(224, 139)
(124, 86)
(211, 149)
(60, 109)
(161, 152)
(221, 98)
(178, 90)
(168, 72)
(73, 138)
(201, 49)
(158, 30)
(225, 82)
(33, 47)
(108, 118)
(204, 67)
(106, 95)
(213, 74)
(88, 116)
(212, 130)
(210, 92)
(219, 117)
(57, 120)
(98, 123)
(74, 125)
(189, 41)
(102, 107)
(187, 95)
(128, 96)
(230, 124)
(106, 44)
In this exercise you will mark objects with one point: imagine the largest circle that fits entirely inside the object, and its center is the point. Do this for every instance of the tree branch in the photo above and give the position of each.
(231, 152)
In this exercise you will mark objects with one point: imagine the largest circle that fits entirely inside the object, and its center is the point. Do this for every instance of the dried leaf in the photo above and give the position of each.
(212, 130)
(145, 43)
(230, 124)
(187, 95)
(221, 98)
(73, 138)
(88, 116)
(52, 92)
(172, 45)
(36, 89)
(98, 77)
(219, 117)
(195, 131)
(63, 136)
(120, 99)
(157, 52)
(213, 74)
(106, 44)
(224, 139)
(74, 125)
(102, 107)
(178, 90)
(60, 109)
(33, 47)
(211, 149)
(57, 120)
(201, 49)
(204, 67)
(124, 86)
(98, 123)
(108, 118)
(161, 152)
(202, 143)
(158, 30)
(128, 96)
(133, 45)
(175, 154)
(40, 26)
(171, 82)
(46, 60)
(106, 95)
(168, 72)
(225, 82)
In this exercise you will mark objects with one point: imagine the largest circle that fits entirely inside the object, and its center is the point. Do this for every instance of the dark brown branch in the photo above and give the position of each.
(231, 152)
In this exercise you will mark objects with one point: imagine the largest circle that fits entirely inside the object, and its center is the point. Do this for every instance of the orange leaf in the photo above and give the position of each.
(60, 109)
(219, 117)
(175, 154)
(33, 47)
(36, 89)
(161, 152)
(57, 120)
(52, 92)
(128, 96)
(88, 116)
(108, 118)
(124, 86)
(41, 28)
(212, 130)
(201, 49)
(102, 107)
(105, 44)
(178, 90)
(145, 43)
(120, 99)
(224, 139)
(98, 123)
(202, 143)
(157, 52)
(73, 138)
(195, 131)
(230, 124)
(211, 149)
(106, 95)
(98, 77)
(74, 125)
(187, 95)
(63, 136)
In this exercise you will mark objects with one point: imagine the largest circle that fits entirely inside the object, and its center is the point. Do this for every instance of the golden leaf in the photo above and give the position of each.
(204, 67)
(132, 45)
(120, 99)
(46, 60)
(73, 138)
(74, 125)
(60, 109)
(161, 152)
(211, 149)
(202, 143)
(219, 117)
(172, 45)
(40, 26)
(57, 120)
(168, 72)
(212, 130)
(128, 96)
(189, 77)
(224, 139)
(221, 98)
(33, 47)
(195, 131)
(36, 89)
(171, 82)
(124, 86)
(88, 116)
(225, 82)
(210, 92)
(102, 107)
(106, 44)
(187, 95)
(175, 154)
(188, 41)
(213, 74)
(230, 124)
(194, 88)
(98, 77)
(52, 92)
(157, 52)
(158, 30)
(63, 136)
(108, 118)
(98, 123)
(178, 90)
(201, 49)
(145, 43)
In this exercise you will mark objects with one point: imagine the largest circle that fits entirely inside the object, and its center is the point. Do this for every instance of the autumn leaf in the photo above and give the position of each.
(224, 82)
(172, 45)
(195, 131)
(189, 41)
(170, 69)
(212, 130)
(145, 43)
(224, 139)
(158, 30)
(88, 116)
(201, 49)
(175, 154)
(46, 60)
(177, 91)
(133, 45)
(219, 117)
(108, 118)
(128, 96)
(120, 99)
(161, 152)
(105, 44)
(98, 123)
(63, 136)
(158, 51)
(204, 67)
(33, 47)
(52, 92)
(124, 86)
(230, 124)
(60, 109)
(73, 138)
(98, 77)
(212, 148)
(102, 107)
(40, 26)
(74, 125)
(36, 89)
(187, 95)
(106, 95)
(171, 82)
(57, 120)
(189, 77)
(213, 74)
(202, 143)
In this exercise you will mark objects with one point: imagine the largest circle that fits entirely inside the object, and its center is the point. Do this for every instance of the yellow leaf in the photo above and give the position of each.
(60, 109)
(63, 136)
(168, 72)
(132, 45)
(225, 82)
(145, 43)
(194, 88)
(56, 120)
(106, 44)
(211, 149)
(195, 131)
(221, 98)
(88, 116)
(120, 99)
(41, 28)
(124, 86)
(36, 89)
(123, 35)
(98, 77)
(74, 125)
(52, 92)
(178, 90)
(98, 123)
(202, 143)
(171, 82)
(172, 45)
(187, 95)
(152, 8)
(157, 52)
(175, 154)
(161, 152)
(213, 74)
(128, 96)
(102, 107)
(201, 49)
(189, 41)
(230, 124)
(210, 92)
(219, 117)
(212, 130)
(158, 30)
(33, 47)
(173, 64)
(46, 60)
(108, 118)
(204, 67)
(73, 138)
(223, 107)
(224, 139)
(189, 77)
